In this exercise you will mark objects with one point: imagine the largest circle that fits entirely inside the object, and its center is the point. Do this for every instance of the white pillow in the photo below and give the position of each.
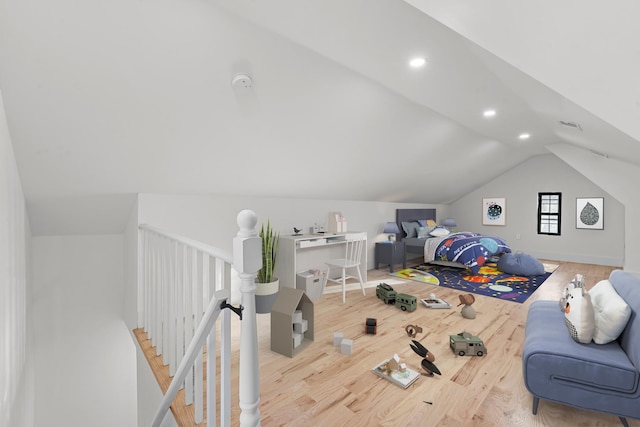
(439, 231)
(611, 312)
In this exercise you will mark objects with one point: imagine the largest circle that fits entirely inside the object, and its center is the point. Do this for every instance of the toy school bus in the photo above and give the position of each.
(406, 302)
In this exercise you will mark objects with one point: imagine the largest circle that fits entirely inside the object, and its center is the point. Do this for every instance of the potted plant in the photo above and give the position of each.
(267, 285)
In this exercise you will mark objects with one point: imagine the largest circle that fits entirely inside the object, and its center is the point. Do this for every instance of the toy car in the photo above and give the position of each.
(406, 302)
(465, 344)
(386, 293)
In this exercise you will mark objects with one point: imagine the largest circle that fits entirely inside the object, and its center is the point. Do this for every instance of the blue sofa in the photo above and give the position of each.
(597, 377)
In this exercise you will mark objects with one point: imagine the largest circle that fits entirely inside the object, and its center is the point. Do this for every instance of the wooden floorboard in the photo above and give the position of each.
(320, 386)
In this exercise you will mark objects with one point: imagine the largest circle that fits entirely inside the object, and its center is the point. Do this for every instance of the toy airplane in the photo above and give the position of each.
(428, 358)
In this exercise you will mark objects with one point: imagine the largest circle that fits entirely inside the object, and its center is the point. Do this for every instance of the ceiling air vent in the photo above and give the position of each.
(570, 125)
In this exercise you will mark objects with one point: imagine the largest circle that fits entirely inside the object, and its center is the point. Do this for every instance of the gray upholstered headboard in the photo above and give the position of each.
(408, 215)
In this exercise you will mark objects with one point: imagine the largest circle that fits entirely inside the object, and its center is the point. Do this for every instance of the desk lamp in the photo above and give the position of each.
(391, 228)
(450, 223)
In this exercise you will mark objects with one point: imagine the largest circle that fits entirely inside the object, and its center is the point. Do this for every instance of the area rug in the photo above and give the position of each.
(489, 281)
(355, 286)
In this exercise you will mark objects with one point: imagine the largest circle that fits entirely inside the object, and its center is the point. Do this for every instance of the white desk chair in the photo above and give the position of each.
(353, 252)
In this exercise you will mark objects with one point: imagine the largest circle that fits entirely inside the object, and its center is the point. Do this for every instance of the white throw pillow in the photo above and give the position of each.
(578, 313)
(611, 312)
(439, 232)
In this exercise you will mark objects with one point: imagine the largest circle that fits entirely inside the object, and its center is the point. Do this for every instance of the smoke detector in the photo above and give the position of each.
(571, 125)
(241, 81)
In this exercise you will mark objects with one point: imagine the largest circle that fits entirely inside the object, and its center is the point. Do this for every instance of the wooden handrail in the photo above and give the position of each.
(201, 247)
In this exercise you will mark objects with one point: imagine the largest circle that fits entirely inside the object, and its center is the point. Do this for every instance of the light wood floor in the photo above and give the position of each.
(322, 387)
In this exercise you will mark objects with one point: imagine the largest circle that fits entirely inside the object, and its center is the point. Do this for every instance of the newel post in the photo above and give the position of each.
(247, 259)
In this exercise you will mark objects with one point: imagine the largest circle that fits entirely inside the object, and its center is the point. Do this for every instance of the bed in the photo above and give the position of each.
(464, 249)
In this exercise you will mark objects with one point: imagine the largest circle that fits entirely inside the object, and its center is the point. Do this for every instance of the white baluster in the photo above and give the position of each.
(225, 356)
(172, 344)
(189, 258)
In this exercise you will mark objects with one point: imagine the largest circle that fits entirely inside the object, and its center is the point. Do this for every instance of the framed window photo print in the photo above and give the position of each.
(590, 213)
(494, 211)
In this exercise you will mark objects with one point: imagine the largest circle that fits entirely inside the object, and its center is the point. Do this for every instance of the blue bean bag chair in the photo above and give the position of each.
(520, 264)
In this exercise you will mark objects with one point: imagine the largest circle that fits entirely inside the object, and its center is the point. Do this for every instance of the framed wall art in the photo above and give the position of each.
(590, 213)
(494, 211)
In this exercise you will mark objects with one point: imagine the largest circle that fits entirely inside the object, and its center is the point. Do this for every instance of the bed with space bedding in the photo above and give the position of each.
(437, 245)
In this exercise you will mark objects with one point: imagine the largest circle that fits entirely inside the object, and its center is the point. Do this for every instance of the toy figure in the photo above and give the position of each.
(412, 330)
(467, 311)
(427, 358)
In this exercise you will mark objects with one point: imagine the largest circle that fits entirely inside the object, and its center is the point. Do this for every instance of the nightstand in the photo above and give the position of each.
(390, 253)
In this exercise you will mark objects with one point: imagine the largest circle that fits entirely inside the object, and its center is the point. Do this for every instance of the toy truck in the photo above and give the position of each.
(386, 293)
(406, 302)
(465, 344)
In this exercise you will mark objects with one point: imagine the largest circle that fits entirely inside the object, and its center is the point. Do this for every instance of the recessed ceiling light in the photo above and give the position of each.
(417, 62)
(524, 136)
(489, 113)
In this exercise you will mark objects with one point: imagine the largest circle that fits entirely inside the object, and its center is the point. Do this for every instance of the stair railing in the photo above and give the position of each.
(180, 275)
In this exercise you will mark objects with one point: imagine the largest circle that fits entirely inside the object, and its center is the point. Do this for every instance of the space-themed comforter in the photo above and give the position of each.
(468, 249)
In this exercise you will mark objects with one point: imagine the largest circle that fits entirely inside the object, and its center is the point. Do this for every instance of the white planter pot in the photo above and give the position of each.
(266, 295)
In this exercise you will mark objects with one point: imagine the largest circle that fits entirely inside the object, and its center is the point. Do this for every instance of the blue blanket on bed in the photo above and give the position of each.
(470, 249)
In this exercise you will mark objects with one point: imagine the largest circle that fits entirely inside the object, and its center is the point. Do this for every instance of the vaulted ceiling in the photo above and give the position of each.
(108, 99)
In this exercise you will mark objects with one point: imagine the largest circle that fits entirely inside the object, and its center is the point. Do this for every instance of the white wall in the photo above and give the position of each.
(520, 186)
(85, 363)
(16, 375)
(621, 180)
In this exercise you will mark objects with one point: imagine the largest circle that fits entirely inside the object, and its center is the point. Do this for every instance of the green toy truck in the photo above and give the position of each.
(386, 293)
(465, 344)
(406, 302)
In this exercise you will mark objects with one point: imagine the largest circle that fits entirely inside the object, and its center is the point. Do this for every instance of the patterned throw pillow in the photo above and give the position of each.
(578, 311)
(424, 232)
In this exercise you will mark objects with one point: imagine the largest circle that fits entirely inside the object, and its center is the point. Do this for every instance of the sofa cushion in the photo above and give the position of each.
(611, 312)
(520, 264)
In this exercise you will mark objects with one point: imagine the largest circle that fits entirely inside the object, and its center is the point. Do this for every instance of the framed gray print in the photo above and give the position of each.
(590, 213)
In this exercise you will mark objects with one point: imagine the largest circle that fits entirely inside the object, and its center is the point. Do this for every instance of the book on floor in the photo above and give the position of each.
(398, 373)
(435, 303)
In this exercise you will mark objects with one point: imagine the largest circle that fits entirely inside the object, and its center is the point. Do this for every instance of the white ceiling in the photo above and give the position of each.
(108, 99)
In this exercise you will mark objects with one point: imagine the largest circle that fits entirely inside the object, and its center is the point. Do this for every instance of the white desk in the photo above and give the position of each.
(310, 251)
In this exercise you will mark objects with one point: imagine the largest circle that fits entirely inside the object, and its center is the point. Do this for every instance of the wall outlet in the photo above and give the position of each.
(517, 236)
